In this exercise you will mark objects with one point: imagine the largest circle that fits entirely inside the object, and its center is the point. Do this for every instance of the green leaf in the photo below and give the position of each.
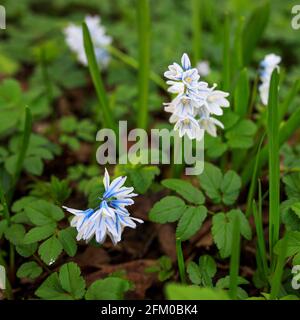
(293, 246)
(185, 189)
(142, 177)
(296, 208)
(71, 280)
(26, 250)
(202, 273)
(67, 238)
(223, 227)
(241, 135)
(230, 187)
(111, 288)
(3, 227)
(190, 222)
(15, 234)
(210, 181)
(50, 249)
(39, 233)
(224, 283)
(218, 187)
(253, 30)
(34, 165)
(176, 291)
(42, 212)
(51, 289)
(168, 209)
(29, 270)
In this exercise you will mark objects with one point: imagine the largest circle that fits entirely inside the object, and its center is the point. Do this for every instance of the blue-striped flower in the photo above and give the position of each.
(110, 217)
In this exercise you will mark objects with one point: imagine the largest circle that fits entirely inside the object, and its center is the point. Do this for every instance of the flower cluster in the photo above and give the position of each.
(195, 101)
(270, 62)
(74, 39)
(110, 217)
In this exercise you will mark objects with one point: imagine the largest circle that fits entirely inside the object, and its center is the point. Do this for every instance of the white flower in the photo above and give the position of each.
(74, 39)
(182, 105)
(110, 217)
(187, 125)
(195, 101)
(203, 68)
(216, 100)
(210, 125)
(268, 64)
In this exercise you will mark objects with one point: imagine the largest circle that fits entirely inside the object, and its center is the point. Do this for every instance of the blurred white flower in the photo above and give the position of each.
(110, 217)
(74, 39)
(210, 124)
(195, 101)
(187, 125)
(267, 65)
(203, 68)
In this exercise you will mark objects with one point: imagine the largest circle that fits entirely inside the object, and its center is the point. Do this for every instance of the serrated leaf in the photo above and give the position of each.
(15, 234)
(190, 222)
(111, 288)
(29, 270)
(168, 209)
(230, 187)
(39, 233)
(67, 238)
(71, 280)
(50, 249)
(293, 246)
(202, 273)
(223, 227)
(26, 250)
(210, 181)
(185, 189)
(142, 177)
(51, 289)
(42, 212)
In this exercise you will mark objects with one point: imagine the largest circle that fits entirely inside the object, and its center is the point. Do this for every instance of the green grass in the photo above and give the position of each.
(180, 261)
(108, 119)
(274, 170)
(197, 29)
(143, 18)
(235, 259)
(226, 55)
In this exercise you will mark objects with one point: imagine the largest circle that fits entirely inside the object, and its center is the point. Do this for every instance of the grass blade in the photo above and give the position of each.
(277, 276)
(238, 47)
(288, 100)
(285, 132)
(274, 170)
(254, 179)
(180, 261)
(226, 55)
(234, 259)
(260, 237)
(133, 63)
(241, 94)
(253, 31)
(108, 120)
(196, 17)
(143, 17)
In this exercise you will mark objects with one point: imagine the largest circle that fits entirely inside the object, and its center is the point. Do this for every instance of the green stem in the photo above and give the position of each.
(143, 18)
(276, 280)
(234, 260)
(22, 154)
(108, 119)
(180, 261)
(274, 167)
(133, 63)
(196, 17)
(226, 55)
